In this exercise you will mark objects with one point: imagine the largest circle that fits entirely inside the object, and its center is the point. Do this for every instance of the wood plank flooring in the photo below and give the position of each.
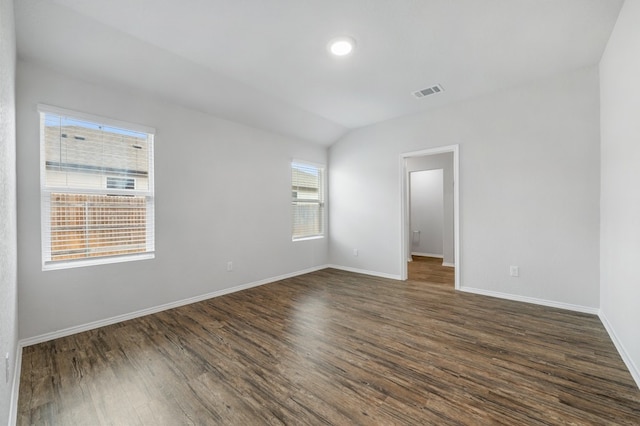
(339, 348)
(430, 269)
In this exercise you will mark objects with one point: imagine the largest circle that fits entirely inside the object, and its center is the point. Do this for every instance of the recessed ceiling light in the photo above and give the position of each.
(342, 46)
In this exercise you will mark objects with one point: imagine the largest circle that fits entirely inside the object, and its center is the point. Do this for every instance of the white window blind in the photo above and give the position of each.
(308, 200)
(96, 188)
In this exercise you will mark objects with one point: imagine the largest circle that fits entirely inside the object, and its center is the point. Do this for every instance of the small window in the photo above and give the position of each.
(96, 188)
(307, 204)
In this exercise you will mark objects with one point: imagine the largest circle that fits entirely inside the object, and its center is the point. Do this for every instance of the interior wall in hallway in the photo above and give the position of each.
(426, 212)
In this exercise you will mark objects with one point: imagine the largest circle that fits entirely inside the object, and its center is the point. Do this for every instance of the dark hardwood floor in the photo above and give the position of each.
(430, 269)
(334, 347)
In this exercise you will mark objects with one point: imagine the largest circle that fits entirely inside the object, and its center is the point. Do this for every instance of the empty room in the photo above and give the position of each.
(372, 212)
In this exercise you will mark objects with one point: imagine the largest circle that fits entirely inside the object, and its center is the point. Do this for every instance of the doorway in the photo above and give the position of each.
(426, 213)
(420, 240)
(431, 245)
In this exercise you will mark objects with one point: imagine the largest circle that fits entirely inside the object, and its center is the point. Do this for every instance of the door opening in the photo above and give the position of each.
(418, 238)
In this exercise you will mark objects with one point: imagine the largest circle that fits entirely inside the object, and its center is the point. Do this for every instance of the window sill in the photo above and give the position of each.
(68, 264)
(315, 237)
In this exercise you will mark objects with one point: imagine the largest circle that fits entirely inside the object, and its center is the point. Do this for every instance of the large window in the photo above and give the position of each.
(307, 205)
(96, 188)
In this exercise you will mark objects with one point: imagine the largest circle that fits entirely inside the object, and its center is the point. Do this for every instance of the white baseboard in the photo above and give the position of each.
(119, 318)
(535, 301)
(628, 361)
(365, 272)
(15, 386)
(439, 256)
(448, 264)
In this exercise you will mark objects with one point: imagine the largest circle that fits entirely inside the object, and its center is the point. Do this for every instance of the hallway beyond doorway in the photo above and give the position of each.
(430, 269)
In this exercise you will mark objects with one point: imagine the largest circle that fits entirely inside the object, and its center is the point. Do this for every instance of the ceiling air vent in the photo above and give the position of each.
(428, 91)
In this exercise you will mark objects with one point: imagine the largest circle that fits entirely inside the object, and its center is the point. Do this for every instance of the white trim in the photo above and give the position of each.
(404, 213)
(125, 317)
(438, 256)
(103, 260)
(365, 272)
(533, 300)
(308, 163)
(124, 125)
(449, 264)
(15, 387)
(631, 366)
(314, 237)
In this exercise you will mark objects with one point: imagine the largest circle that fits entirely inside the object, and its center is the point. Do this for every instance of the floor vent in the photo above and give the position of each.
(428, 91)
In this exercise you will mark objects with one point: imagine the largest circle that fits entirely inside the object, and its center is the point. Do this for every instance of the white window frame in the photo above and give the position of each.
(45, 191)
(323, 202)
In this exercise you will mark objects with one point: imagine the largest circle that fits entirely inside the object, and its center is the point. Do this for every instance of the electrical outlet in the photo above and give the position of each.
(355, 252)
(229, 266)
(514, 271)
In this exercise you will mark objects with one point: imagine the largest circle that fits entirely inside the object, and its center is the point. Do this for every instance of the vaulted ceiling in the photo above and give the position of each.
(265, 62)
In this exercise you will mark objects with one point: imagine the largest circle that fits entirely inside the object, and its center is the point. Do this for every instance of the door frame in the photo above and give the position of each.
(404, 207)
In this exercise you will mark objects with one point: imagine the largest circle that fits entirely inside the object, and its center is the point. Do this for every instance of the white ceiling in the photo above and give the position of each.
(265, 62)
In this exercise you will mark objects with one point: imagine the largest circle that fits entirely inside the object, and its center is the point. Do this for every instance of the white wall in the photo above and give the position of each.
(426, 212)
(529, 189)
(444, 162)
(620, 193)
(222, 194)
(8, 250)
